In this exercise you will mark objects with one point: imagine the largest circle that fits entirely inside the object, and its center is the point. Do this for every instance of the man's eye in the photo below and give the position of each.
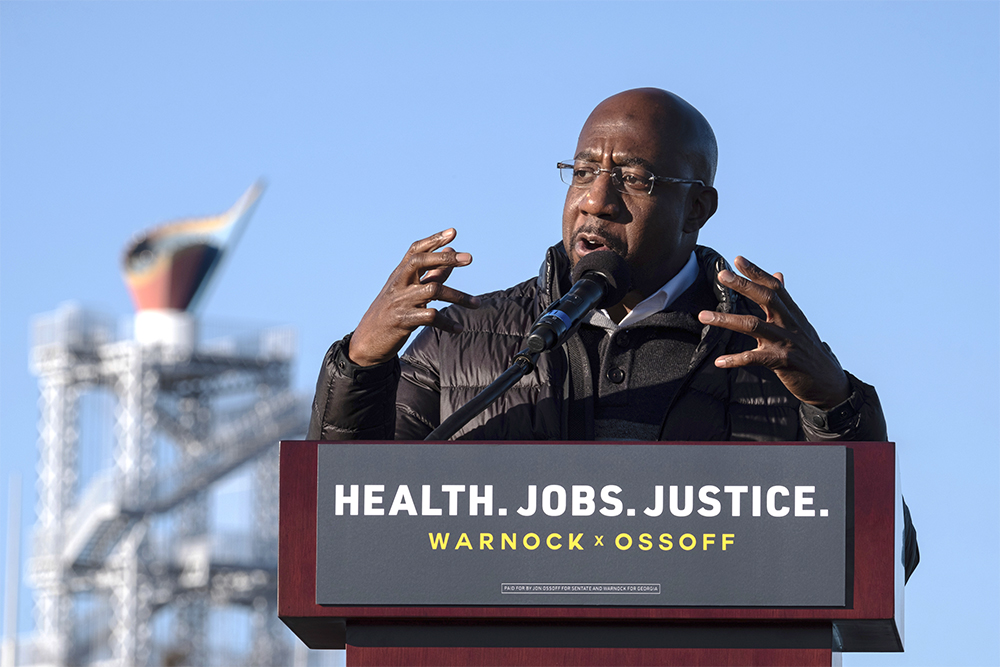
(634, 181)
(583, 175)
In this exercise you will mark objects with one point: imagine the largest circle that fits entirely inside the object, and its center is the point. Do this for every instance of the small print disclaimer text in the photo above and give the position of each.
(580, 589)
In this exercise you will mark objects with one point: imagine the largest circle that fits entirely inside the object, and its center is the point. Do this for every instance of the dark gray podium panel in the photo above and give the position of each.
(589, 524)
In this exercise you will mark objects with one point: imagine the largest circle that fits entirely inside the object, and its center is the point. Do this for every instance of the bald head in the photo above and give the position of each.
(656, 231)
(685, 136)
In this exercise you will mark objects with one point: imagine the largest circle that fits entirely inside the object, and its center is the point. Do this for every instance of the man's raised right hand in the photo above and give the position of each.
(401, 306)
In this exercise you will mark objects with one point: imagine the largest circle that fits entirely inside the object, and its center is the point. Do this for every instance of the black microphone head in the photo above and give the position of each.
(611, 268)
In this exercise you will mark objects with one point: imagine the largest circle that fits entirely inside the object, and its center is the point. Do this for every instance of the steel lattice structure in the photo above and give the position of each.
(134, 544)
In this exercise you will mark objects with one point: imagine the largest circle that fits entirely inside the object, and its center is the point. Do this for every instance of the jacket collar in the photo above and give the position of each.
(554, 275)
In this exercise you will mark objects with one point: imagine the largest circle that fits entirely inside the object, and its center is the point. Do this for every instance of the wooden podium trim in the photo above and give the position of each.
(585, 657)
(867, 623)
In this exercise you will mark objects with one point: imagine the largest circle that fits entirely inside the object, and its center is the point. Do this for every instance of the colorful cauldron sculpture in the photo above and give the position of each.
(169, 266)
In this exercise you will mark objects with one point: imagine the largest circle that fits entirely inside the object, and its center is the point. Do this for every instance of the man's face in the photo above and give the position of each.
(646, 230)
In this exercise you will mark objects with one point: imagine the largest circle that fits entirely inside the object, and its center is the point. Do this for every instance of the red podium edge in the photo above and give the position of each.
(870, 622)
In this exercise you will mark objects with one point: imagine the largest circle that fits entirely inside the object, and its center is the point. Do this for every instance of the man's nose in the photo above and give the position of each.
(601, 199)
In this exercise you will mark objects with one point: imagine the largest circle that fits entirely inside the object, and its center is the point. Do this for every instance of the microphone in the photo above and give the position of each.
(600, 279)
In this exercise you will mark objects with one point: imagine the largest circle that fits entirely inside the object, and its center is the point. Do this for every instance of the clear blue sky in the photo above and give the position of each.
(859, 150)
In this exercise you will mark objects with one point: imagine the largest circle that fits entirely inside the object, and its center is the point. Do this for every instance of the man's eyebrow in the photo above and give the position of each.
(637, 162)
(590, 156)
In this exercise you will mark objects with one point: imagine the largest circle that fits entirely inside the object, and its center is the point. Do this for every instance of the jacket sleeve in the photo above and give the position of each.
(397, 400)
(353, 402)
(859, 418)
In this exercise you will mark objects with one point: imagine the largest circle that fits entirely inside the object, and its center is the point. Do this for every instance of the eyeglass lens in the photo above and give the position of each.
(630, 180)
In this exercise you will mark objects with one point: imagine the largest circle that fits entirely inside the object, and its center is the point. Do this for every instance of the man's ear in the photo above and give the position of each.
(702, 205)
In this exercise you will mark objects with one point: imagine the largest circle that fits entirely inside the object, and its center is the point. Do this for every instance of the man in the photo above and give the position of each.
(693, 352)
(642, 369)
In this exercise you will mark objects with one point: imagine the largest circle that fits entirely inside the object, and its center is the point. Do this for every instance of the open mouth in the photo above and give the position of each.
(590, 241)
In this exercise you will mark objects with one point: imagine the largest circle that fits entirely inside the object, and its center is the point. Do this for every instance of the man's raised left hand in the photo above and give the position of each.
(786, 342)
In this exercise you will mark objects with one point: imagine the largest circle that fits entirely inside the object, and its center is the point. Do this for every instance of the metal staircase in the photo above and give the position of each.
(136, 539)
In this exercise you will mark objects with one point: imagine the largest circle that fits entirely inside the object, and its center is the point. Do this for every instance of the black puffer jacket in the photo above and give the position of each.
(440, 372)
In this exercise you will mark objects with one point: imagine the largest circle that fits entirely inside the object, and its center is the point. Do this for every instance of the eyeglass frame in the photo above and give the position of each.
(618, 182)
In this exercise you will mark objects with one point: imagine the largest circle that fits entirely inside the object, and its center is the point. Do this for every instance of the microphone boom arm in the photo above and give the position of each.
(524, 363)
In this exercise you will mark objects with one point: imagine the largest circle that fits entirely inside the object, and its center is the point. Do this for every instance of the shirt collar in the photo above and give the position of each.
(659, 300)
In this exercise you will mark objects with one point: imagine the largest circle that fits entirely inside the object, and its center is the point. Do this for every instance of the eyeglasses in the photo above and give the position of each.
(627, 180)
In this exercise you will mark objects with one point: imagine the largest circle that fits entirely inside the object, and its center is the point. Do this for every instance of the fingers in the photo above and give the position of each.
(437, 275)
(757, 274)
(424, 263)
(421, 255)
(402, 305)
(442, 273)
(430, 317)
(767, 294)
(427, 265)
(432, 242)
(427, 317)
(418, 264)
(766, 290)
(789, 313)
(773, 341)
(773, 338)
(745, 324)
(435, 291)
(758, 357)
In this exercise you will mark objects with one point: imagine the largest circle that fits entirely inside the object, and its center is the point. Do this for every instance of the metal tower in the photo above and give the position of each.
(127, 569)
(135, 543)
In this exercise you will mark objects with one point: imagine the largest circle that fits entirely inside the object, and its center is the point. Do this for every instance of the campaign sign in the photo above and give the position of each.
(581, 524)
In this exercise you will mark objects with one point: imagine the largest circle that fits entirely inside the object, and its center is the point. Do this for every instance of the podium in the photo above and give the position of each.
(591, 553)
